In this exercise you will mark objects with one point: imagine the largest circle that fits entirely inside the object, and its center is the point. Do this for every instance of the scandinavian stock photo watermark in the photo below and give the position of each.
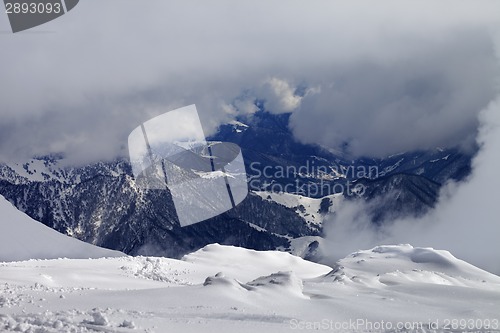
(328, 179)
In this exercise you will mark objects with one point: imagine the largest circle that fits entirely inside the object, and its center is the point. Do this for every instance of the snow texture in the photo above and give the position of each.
(229, 289)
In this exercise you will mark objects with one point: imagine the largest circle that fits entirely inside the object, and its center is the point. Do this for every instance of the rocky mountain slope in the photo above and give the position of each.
(101, 204)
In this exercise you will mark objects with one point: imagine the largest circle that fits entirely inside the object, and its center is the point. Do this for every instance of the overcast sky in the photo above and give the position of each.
(385, 78)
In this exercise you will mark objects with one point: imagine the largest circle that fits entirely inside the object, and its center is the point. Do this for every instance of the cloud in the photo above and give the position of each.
(281, 96)
(465, 220)
(80, 83)
(423, 99)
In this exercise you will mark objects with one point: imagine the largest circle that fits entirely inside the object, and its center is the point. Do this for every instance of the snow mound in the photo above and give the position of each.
(22, 238)
(280, 282)
(402, 264)
(252, 264)
(429, 256)
(157, 269)
(221, 280)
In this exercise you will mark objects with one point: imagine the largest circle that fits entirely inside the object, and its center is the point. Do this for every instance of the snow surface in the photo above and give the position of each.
(300, 246)
(23, 238)
(38, 170)
(239, 124)
(229, 289)
(311, 206)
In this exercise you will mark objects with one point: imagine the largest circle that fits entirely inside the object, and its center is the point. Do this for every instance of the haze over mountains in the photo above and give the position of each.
(100, 203)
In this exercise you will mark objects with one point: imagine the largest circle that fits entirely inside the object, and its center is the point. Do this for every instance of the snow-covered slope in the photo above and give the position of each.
(230, 289)
(404, 264)
(101, 204)
(23, 238)
(308, 208)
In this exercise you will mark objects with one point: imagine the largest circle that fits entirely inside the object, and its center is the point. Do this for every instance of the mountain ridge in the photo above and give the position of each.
(101, 204)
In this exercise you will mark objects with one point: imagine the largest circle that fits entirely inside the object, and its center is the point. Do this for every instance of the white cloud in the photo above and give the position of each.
(465, 220)
(420, 100)
(282, 97)
(110, 65)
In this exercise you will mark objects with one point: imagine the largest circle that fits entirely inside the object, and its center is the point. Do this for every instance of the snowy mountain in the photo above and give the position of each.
(101, 204)
(22, 238)
(267, 142)
(227, 289)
